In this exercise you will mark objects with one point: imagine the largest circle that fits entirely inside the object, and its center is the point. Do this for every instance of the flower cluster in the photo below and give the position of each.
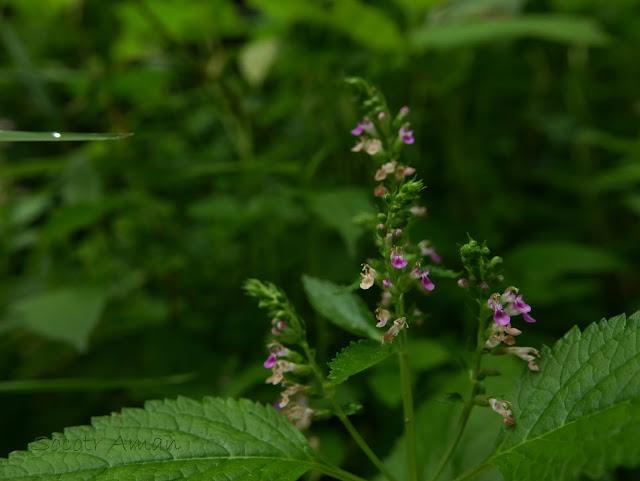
(289, 368)
(504, 306)
(507, 305)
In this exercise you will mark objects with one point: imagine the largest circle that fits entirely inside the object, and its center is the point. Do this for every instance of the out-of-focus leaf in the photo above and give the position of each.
(81, 385)
(20, 136)
(364, 23)
(623, 177)
(543, 268)
(573, 30)
(338, 208)
(256, 58)
(68, 314)
(341, 307)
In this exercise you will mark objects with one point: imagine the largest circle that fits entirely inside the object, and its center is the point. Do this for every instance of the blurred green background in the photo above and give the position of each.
(124, 259)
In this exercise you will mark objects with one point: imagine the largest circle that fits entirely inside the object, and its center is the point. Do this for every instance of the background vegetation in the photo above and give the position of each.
(123, 260)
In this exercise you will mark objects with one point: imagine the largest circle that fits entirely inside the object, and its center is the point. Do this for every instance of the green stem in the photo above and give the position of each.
(470, 403)
(343, 416)
(474, 472)
(337, 473)
(361, 442)
(407, 398)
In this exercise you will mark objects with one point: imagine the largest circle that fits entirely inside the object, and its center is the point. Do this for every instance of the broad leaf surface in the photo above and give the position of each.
(341, 307)
(357, 357)
(581, 412)
(172, 439)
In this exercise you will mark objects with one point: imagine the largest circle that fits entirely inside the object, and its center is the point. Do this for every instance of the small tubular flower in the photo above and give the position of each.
(406, 135)
(382, 315)
(397, 258)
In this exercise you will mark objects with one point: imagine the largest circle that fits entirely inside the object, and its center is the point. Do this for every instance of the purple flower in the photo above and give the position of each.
(404, 111)
(361, 127)
(406, 135)
(463, 283)
(528, 318)
(426, 282)
(271, 360)
(386, 283)
(500, 317)
(397, 259)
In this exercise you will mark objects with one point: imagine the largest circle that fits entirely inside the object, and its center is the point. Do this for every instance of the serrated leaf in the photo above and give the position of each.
(171, 439)
(357, 357)
(341, 307)
(581, 412)
(21, 136)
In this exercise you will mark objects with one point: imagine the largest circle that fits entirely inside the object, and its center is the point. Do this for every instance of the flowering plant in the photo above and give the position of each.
(583, 393)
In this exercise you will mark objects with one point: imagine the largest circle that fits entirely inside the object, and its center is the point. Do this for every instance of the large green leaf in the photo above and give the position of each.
(68, 314)
(173, 439)
(546, 27)
(341, 307)
(581, 412)
(357, 357)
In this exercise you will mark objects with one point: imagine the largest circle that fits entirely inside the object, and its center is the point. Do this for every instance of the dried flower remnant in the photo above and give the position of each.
(502, 408)
(382, 315)
(528, 354)
(380, 190)
(386, 169)
(394, 330)
(368, 274)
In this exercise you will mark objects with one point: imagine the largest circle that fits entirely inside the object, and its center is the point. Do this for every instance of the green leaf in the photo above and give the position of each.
(68, 315)
(357, 357)
(21, 136)
(338, 208)
(256, 58)
(581, 412)
(78, 385)
(341, 307)
(555, 28)
(171, 439)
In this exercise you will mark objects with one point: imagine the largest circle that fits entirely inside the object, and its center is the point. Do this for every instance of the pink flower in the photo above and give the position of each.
(386, 283)
(365, 125)
(271, 360)
(406, 135)
(426, 282)
(397, 258)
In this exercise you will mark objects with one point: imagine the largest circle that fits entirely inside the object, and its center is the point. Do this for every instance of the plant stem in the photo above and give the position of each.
(337, 473)
(407, 398)
(328, 389)
(474, 472)
(469, 404)
(361, 442)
